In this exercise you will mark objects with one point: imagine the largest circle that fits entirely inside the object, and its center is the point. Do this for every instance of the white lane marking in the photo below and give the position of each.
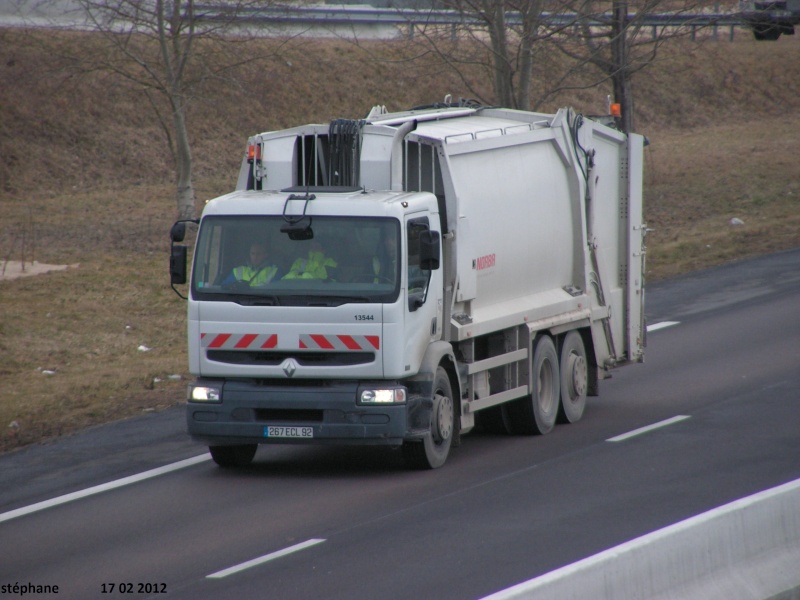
(104, 487)
(527, 589)
(662, 325)
(642, 430)
(262, 559)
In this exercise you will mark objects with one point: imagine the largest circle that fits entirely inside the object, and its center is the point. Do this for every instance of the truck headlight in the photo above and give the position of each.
(383, 396)
(205, 393)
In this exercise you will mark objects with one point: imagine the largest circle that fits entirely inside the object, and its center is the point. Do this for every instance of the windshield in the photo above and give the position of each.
(249, 260)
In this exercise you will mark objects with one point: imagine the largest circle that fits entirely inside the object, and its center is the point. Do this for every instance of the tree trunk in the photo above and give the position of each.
(503, 85)
(530, 25)
(183, 163)
(620, 75)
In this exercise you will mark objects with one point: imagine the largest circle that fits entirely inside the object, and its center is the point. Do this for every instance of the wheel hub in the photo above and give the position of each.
(442, 418)
(578, 380)
(546, 395)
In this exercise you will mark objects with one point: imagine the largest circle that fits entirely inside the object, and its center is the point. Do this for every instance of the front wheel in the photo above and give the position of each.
(432, 451)
(233, 456)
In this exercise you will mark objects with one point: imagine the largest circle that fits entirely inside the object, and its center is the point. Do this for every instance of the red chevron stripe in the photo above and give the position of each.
(245, 341)
(322, 342)
(220, 340)
(349, 342)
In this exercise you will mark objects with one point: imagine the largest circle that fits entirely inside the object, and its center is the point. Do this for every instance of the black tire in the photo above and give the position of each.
(766, 33)
(432, 451)
(233, 456)
(537, 413)
(574, 378)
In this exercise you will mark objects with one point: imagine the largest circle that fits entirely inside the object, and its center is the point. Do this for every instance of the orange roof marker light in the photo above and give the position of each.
(615, 109)
(253, 152)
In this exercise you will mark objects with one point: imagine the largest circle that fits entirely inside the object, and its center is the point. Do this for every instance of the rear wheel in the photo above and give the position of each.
(537, 413)
(233, 456)
(574, 378)
(432, 451)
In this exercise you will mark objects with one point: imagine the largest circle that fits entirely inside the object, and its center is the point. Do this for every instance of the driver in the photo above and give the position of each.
(257, 271)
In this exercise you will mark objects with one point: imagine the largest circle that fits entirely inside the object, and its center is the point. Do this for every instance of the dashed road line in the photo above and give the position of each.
(263, 559)
(662, 325)
(641, 430)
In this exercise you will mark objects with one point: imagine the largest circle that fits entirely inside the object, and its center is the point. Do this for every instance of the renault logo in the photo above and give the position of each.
(289, 366)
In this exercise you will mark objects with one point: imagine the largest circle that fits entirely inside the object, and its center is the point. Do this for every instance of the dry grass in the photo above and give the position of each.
(71, 340)
(85, 176)
(699, 181)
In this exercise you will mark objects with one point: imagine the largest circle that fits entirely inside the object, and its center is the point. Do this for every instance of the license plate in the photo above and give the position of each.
(273, 431)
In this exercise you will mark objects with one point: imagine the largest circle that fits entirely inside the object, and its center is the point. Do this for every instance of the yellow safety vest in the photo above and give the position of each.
(255, 275)
(386, 273)
(313, 267)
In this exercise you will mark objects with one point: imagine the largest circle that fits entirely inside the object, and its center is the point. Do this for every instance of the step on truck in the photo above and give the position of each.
(401, 279)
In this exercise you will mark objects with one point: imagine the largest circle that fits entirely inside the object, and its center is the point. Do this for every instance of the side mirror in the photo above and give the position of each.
(429, 250)
(178, 231)
(177, 255)
(177, 265)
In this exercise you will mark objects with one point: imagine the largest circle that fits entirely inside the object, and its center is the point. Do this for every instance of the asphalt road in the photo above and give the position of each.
(354, 523)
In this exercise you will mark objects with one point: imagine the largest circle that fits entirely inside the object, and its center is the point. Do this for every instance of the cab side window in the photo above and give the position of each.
(418, 279)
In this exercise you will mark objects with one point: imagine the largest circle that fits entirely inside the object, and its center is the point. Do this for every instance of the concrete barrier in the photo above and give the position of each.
(748, 549)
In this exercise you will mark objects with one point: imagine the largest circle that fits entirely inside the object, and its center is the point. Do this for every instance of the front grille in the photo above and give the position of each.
(305, 359)
(288, 415)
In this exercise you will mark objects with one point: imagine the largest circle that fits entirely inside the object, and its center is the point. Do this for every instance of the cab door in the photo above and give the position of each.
(423, 290)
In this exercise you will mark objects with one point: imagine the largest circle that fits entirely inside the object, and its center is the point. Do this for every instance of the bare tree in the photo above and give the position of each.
(606, 41)
(617, 38)
(512, 63)
(501, 36)
(168, 48)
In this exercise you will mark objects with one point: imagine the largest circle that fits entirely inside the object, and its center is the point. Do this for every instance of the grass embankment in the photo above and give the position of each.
(85, 178)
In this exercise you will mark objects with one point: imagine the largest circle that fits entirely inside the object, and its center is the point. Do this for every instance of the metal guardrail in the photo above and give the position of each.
(374, 18)
(366, 15)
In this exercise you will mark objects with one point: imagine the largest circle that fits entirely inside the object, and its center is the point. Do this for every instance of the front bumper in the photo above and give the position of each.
(327, 409)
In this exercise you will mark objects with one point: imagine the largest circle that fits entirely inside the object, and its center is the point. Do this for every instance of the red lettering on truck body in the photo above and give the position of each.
(485, 262)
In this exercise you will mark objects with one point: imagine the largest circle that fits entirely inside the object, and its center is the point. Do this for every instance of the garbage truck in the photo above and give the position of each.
(417, 274)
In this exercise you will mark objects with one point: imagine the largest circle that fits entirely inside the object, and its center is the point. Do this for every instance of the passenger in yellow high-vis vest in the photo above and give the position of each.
(315, 266)
(257, 272)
